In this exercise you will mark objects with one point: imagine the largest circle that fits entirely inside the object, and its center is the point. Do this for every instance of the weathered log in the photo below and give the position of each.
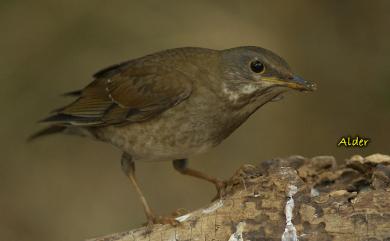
(290, 199)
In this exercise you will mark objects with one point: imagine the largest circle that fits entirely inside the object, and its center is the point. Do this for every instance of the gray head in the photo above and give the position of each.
(249, 72)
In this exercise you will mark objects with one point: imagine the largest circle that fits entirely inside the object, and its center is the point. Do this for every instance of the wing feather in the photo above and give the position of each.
(124, 94)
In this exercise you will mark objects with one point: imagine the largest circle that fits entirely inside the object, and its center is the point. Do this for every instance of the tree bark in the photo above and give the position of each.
(294, 198)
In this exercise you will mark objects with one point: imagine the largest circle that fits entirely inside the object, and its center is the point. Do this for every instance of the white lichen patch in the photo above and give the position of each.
(237, 236)
(256, 194)
(213, 207)
(290, 233)
(314, 192)
(378, 158)
(183, 218)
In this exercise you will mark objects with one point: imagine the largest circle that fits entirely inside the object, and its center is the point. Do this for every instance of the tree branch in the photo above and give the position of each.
(290, 199)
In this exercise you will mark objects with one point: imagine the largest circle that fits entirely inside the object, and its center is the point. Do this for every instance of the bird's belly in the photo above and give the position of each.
(179, 132)
(165, 138)
(158, 142)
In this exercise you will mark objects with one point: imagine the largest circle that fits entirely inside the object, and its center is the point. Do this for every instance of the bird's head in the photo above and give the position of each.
(254, 71)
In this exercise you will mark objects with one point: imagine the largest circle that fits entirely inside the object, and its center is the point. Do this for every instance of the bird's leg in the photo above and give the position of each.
(128, 167)
(181, 166)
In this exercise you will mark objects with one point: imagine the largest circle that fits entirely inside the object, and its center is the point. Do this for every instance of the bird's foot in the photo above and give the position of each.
(180, 212)
(166, 220)
(169, 219)
(221, 190)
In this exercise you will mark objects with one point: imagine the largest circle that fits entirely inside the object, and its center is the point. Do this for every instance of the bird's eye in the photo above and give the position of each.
(257, 66)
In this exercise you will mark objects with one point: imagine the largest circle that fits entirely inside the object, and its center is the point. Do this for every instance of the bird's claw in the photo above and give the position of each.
(221, 190)
(171, 220)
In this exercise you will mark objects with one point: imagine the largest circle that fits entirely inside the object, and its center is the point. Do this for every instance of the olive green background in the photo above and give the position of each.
(69, 188)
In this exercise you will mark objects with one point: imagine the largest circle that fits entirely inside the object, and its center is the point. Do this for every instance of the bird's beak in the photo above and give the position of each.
(299, 83)
(294, 82)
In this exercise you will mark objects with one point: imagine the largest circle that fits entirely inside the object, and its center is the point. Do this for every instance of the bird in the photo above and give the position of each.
(172, 104)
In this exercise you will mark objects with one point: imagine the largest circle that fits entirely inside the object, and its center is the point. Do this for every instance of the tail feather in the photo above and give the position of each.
(66, 119)
(54, 129)
(76, 93)
(63, 121)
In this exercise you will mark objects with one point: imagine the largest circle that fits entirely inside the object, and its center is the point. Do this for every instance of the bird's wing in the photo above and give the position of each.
(125, 93)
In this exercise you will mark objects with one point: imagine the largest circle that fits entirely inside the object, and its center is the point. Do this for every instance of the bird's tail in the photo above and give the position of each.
(53, 129)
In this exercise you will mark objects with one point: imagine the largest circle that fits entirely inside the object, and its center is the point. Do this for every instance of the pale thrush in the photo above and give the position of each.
(174, 103)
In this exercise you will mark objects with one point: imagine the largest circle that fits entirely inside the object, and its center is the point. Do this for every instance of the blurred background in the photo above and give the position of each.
(69, 188)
